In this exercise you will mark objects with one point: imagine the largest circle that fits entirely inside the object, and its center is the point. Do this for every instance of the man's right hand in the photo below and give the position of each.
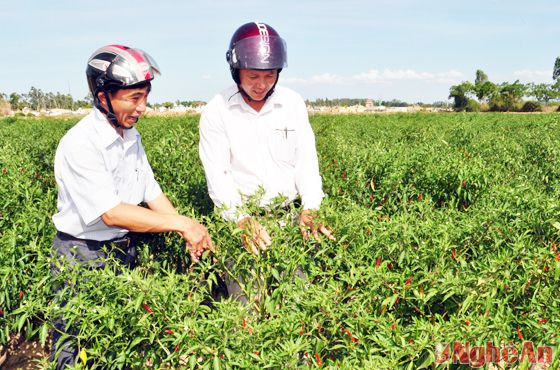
(197, 238)
(254, 237)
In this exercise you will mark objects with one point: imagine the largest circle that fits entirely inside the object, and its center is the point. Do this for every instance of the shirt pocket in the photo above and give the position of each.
(134, 185)
(139, 185)
(282, 143)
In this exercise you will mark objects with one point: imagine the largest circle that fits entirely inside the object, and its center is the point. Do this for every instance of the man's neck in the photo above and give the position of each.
(256, 105)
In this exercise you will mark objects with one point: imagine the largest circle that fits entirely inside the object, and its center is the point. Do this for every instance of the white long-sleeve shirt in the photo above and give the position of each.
(96, 170)
(242, 149)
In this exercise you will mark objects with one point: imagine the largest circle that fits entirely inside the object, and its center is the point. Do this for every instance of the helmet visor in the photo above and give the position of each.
(135, 67)
(259, 52)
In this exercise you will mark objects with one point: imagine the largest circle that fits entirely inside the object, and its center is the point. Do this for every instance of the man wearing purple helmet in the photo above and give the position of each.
(256, 135)
(102, 174)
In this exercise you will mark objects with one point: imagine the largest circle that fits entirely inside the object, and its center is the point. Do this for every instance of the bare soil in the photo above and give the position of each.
(21, 354)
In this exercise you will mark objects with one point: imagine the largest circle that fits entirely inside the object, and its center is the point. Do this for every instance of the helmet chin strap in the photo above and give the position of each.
(248, 97)
(110, 114)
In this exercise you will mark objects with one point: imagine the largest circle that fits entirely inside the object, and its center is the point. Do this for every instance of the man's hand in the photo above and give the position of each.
(308, 225)
(254, 236)
(197, 238)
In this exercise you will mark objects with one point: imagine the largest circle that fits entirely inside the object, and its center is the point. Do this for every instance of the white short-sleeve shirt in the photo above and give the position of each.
(96, 169)
(242, 149)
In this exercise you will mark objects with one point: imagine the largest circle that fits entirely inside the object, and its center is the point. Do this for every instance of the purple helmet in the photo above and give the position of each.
(256, 45)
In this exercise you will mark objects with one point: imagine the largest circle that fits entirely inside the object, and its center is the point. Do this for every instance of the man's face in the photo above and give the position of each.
(128, 104)
(257, 83)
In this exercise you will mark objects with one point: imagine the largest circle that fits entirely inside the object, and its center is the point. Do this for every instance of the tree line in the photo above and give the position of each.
(347, 102)
(485, 95)
(37, 99)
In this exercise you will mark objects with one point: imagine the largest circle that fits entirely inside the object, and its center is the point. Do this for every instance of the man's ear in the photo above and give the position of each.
(102, 99)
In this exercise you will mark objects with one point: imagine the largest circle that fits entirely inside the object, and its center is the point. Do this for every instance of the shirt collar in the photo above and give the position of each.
(108, 134)
(234, 98)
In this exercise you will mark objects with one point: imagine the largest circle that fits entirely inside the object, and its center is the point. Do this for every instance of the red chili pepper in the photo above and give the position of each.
(557, 258)
(519, 333)
(407, 282)
(302, 329)
(378, 262)
(319, 363)
(354, 339)
(243, 324)
(169, 331)
(20, 294)
(177, 348)
(344, 175)
(1, 312)
(147, 308)
(420, 197)
(421, 290)
(394, 326)
(543, 321)
(347, 331)
(454, 254)
(554, 247)
(467, 322)
(222, 357)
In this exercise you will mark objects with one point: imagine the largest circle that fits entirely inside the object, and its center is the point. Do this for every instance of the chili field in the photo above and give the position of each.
(447, 226)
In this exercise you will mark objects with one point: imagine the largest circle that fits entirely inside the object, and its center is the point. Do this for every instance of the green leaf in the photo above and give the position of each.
(43, 334)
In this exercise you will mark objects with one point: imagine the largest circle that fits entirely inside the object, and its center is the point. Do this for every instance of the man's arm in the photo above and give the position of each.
(308, 179)
(140, 219)
(162, 205)
(214, 152)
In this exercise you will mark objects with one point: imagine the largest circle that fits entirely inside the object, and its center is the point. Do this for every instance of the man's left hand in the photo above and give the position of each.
(309, 225)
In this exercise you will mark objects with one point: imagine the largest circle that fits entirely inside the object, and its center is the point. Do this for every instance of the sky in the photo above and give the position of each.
(407, 50)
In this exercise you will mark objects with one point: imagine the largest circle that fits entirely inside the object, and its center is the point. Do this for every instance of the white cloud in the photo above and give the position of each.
(374, 76)
(534, 75)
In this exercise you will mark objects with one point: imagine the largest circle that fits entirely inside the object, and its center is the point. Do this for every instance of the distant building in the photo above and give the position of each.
(369, 104)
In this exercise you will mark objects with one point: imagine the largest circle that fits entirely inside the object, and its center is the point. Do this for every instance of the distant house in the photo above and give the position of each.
(369, 104)
(397, 109)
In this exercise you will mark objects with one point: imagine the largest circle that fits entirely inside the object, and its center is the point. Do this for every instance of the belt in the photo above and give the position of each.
(121, 243)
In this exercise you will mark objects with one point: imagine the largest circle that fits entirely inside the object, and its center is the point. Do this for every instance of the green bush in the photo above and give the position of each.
(473, 106)
(532, 106)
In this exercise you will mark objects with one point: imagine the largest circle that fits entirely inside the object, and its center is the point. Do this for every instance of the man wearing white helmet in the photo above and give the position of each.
(103, 174)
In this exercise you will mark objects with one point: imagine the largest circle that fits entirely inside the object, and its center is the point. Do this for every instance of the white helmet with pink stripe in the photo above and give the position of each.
(114, 67)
